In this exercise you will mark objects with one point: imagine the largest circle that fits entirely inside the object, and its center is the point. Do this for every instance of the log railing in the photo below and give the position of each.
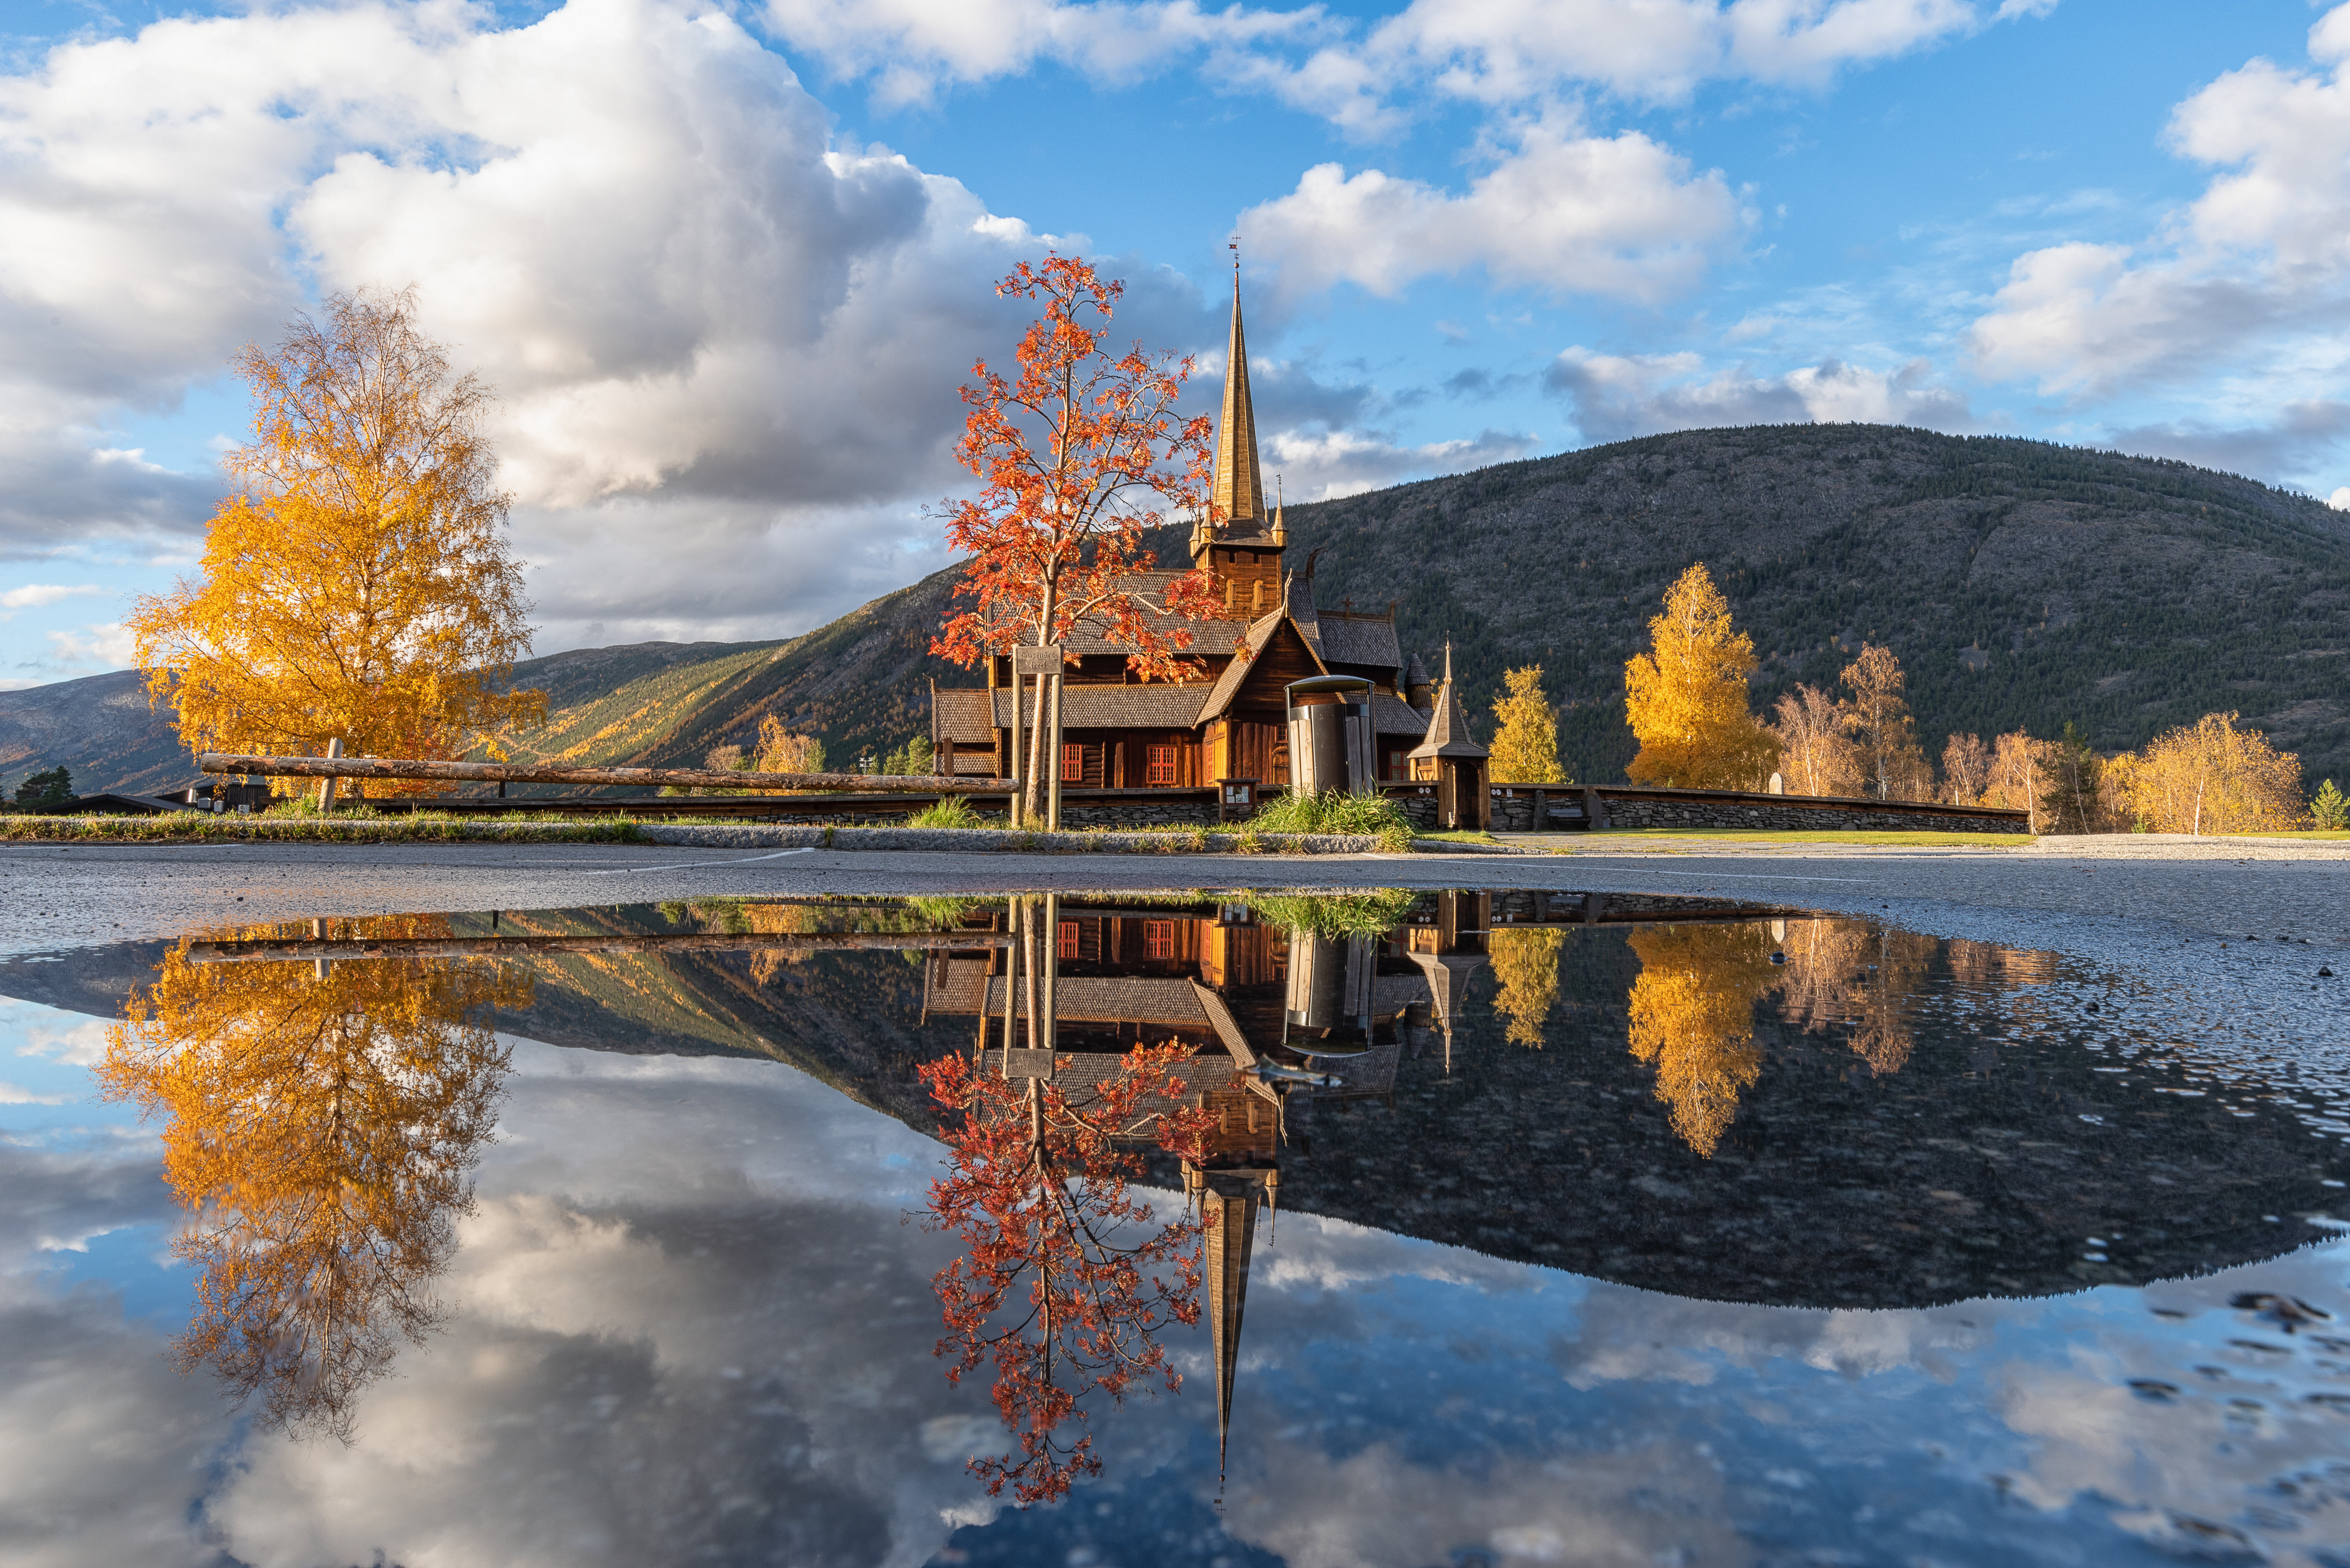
(640, 778)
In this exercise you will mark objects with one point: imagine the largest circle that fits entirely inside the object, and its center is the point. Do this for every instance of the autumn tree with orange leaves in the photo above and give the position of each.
(358, 586)
(1077, 456)
(320, 1125)
(1065, 1281)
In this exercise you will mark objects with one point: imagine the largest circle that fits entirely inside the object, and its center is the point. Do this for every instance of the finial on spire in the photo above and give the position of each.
(1448, 662)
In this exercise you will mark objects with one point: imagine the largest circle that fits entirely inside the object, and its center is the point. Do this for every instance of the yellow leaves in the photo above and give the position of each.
(1692, 1014)
(2212, 777)
(1525, 746)
(360, 587)
(1527, 963)
(1686, 699)
(321, 1129)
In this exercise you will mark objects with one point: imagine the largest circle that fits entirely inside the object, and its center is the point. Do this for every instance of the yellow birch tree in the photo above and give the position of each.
(320, 1125)
(1692, 1014)
(1525, 747)
(358, 586)
(1686, 699)
(2211, 776)
(1527, 963)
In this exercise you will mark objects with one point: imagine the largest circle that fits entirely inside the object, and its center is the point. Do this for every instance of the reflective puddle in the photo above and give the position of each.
(1446, 1229)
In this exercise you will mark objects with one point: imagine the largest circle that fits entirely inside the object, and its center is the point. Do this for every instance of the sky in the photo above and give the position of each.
(727, 263)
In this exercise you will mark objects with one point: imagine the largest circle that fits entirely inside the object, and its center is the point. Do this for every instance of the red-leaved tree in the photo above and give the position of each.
(1065, 1282)
(1079, 456)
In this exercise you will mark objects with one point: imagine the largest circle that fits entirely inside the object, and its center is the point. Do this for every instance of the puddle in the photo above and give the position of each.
(1480, 1227)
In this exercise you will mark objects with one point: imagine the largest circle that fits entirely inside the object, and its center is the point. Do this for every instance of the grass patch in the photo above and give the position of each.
(953, 811)
(1367, 815)
(1461, 836)
(207, 827)
(1374, 913)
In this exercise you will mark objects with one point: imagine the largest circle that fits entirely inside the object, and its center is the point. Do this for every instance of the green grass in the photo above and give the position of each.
(204, 827)
(1334, 915)
(952, 810)
(1335, 811)
(1459, 836)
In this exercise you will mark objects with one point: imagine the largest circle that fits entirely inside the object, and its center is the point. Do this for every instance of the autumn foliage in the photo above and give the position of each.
(1065, 1281)
(358, 585)
(1686, 699)
(1077, 455)
(1525, 746)
(1693, 1016)
(1525, 961)
(321, 1129)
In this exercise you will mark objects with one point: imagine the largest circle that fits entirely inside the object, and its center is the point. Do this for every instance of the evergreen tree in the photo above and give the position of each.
(2330, 807)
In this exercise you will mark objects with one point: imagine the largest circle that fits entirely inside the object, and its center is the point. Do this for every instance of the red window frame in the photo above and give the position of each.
(1068, 937)
(1073, 763)
(1158, 938)
(1162, 765)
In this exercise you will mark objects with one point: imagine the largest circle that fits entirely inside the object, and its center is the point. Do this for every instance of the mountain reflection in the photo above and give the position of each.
(320, 1122)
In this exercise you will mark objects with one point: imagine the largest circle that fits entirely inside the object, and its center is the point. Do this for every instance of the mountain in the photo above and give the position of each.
(2023, 585)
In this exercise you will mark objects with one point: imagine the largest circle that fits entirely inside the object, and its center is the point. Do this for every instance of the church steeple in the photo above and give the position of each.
(1239, 490)
(1228, 1210)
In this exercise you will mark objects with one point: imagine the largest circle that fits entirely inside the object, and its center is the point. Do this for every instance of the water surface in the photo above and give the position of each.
(1538, 1229)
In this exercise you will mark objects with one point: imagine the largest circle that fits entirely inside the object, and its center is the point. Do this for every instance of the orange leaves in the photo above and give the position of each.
(1065, 1281)
(1076, 458)
(361, 586)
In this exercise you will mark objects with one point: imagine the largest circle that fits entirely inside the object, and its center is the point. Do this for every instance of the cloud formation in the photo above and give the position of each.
(2252, 274)
(1615, 397)
(711, 322)
(1563, 212)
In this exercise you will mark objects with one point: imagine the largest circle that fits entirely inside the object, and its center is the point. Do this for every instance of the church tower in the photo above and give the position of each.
(1244, 549)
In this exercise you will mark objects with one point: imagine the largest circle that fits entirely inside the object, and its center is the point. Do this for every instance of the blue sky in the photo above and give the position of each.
(727, 265)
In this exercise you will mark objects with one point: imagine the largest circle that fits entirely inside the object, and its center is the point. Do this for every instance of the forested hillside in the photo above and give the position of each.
(2022, 585)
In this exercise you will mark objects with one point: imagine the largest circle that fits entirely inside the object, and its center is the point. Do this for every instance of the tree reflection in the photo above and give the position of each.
(1526, 962)
(1840, 972)
(1065, 1281)
(321, 1123)
(1692, 1011)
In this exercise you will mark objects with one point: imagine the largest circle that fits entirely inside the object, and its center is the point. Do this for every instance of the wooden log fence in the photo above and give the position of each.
(640, 778)
(302, 950)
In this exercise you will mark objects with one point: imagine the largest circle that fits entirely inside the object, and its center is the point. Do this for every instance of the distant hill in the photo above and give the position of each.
(2022, 585)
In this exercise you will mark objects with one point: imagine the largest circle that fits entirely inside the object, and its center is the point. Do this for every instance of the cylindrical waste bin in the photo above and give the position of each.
(1332, 744)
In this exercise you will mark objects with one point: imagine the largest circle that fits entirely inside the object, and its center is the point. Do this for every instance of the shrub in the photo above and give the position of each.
(1366, 812)
(952, 810)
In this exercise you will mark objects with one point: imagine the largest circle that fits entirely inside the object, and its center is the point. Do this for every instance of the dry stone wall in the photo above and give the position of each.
(1515, 807)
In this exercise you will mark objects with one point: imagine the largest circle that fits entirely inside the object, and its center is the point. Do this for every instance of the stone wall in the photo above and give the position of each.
(1514, 806)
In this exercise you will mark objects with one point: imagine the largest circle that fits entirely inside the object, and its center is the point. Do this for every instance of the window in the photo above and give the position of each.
(1162, 766)
(1072, 764)
(1158, 938)
(1068, 939)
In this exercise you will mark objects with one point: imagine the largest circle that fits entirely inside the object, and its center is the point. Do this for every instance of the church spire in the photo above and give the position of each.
(1239, 486)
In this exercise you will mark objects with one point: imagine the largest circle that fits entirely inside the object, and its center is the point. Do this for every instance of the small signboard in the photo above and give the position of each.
(1030, 659)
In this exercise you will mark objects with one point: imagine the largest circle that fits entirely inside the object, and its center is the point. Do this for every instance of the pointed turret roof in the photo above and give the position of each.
(1448, 727)
(1228, 1214)
(1239, 486)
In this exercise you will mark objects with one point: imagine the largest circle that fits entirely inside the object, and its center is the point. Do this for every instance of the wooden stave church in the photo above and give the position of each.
(1123, 734)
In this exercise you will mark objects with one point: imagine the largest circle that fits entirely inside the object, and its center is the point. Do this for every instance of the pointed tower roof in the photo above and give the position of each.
(1239, 485)
(1448, 727)
(1228, 1214)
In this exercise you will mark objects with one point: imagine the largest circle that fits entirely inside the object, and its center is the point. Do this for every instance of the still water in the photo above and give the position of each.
(1475, 1227)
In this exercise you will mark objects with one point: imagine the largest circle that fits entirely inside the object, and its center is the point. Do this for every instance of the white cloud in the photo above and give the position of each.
(35, 595)
(710, 323)
(92, 648)
(1517, 52)
(15, 1095)
(1322, 465)
(1615, 397)
(2253, 271)
(913, 48)
(1565, 213)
